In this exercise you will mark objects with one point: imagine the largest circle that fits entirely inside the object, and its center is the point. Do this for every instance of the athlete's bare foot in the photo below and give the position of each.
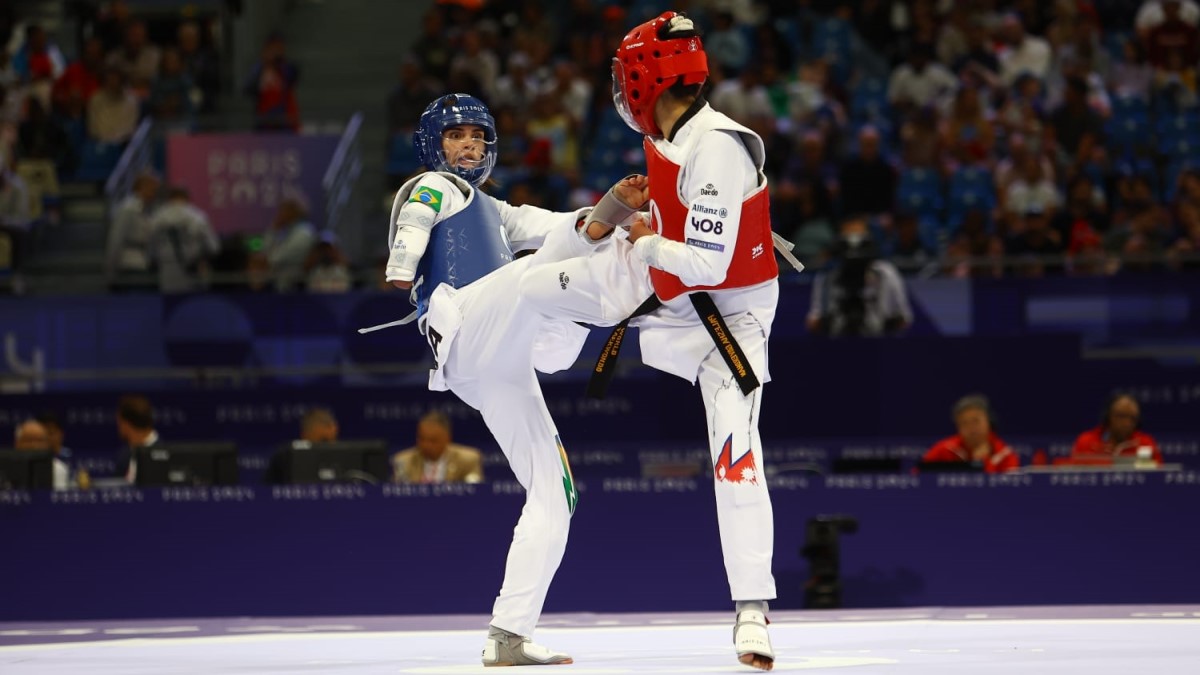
(757, 661)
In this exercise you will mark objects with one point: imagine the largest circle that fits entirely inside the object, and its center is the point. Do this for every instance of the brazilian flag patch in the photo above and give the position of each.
(429, 197)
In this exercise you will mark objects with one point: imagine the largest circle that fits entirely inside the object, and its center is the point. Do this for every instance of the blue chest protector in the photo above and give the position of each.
(462, 248)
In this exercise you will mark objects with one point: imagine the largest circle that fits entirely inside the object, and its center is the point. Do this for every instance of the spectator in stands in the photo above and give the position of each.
(726, 44)
(42, 149)
(1078, 130)
(919, 82)
(409, 97)
(1084, 217)
(921, 141)
(136, 58)
(975, 251)
(110, 23)
(868, 180)
(326, 270)
(1037, 242)
(288, 242)
(81, 79)
(432, 47)
(967, 133)
(435, 458)
(904, 245)
(743, 96)
(1031, 190)
(1023, 53)
(128, 251)
(1132, 76)
(182, 241)
(272, 83)
(202, 65)
(1183, 253)
(1173, 46)
(1119, 434)
(1141, 227)
(33, 435)
(135, 427)
(860, 294)
(813, 235)
(1009, 168)
(976, 442)
(476, 61)
(112, 113)
(14, 221)
(170, 102)
(978, 64)
(517, 87)
(38, 62)
(573, 92)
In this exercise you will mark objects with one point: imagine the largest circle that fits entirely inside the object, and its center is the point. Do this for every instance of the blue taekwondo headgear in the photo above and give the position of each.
(454, 110)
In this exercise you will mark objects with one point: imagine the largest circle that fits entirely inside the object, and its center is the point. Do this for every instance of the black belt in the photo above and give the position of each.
(714, 323)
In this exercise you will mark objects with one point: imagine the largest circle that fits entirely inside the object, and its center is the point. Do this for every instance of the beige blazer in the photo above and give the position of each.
(464, 464)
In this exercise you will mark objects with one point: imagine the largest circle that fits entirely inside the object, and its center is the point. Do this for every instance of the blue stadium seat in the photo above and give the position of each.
(1128, 133)
(868, 100)
(919, 191)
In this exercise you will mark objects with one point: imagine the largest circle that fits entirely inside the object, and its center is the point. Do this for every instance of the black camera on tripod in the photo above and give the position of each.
(823, 589)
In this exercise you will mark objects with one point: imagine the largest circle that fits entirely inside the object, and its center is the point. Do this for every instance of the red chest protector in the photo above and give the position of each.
(753, 254)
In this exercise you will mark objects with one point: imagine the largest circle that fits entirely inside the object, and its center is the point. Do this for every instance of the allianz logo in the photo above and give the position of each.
(720, 212)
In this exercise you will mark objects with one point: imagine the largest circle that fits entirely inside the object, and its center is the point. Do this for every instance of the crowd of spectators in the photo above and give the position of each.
(979, 137)
(975, 137)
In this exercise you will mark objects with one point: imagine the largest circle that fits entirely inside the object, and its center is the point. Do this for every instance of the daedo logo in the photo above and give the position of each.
(709, 191)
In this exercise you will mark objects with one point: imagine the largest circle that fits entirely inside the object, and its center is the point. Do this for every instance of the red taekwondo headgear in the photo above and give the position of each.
(650, 59)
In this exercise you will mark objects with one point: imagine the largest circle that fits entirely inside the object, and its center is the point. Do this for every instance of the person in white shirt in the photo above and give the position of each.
(181, 242)
(129, 234)
(1024, 53)
(920, 81)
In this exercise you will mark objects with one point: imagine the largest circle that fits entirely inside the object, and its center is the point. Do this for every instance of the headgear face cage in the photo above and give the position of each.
(650, 59)
(455, 110)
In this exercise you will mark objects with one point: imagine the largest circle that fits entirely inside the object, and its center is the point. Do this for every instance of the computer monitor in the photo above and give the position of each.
(195, 464)
(26, 469)
(844, 465)
(950, 467)
(364, 461)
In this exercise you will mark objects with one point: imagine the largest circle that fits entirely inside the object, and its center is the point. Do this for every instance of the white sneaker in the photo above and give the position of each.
(751, 640)
(503, 648)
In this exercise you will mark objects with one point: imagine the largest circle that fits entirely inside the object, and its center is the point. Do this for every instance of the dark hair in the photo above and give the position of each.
(973, 402)
(315, 416)
(436, 417)
(1106, 413)
(48, 418)
(136, 411)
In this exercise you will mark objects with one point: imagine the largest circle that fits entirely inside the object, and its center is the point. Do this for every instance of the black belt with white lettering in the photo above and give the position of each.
(606, 365)
(714, 323)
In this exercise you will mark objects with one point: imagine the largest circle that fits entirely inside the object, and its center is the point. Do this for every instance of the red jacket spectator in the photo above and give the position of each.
(1173, 39)
(1099, 442)
(954, 449)
(1118, 433)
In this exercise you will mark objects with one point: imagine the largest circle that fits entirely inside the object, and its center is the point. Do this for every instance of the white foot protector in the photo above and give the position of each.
(503, 648)
(751, 640)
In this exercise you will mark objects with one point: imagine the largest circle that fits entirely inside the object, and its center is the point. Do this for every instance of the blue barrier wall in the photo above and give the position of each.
(636, 545)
